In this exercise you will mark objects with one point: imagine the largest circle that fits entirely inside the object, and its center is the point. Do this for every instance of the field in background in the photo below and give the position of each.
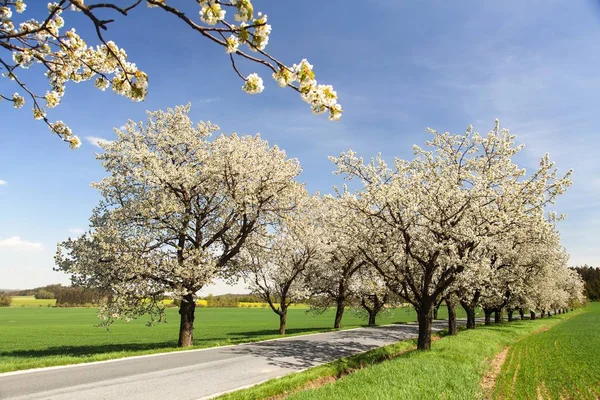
(39, 337)
(562, 363)
(30, 301)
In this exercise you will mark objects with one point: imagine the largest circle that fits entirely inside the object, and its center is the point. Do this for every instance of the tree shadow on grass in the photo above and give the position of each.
(88, 350)
(91, 350)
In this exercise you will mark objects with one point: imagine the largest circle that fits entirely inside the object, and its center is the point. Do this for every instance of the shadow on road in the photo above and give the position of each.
(306, 352)
(299, 353)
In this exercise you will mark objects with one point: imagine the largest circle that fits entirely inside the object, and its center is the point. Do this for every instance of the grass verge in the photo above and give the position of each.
(282, 387)
(562, 363)
(453, 369)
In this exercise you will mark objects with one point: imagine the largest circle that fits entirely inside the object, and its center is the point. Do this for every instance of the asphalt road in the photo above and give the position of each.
(197, 374)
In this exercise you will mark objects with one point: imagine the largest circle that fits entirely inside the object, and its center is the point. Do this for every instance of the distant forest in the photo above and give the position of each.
(591, 276)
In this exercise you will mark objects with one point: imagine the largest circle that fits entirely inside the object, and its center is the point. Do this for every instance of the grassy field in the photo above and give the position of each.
(453, 369)
(30, 301)
(562, 363)
(39, 337)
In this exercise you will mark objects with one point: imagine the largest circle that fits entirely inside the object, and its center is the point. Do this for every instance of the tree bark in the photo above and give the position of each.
(532, 315)
(470, 311)
(497, 315)
(521, 314)
(339, 313)
(510, 315)
(187, 309)
(424, 317)
(372, 315)
(488, 315)
(543, 313)
(451, 317)
(377, 306)
(282, 320)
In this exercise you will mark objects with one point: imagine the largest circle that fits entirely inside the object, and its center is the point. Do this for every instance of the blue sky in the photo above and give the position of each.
(398, 67)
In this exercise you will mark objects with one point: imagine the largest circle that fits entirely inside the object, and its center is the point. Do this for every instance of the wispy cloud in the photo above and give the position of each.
(97, 141)
(77, 231)
(16, 243)
(2, 182)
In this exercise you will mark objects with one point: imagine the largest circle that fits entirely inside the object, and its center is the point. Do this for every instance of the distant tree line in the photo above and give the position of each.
(591, 278)
(66, 296)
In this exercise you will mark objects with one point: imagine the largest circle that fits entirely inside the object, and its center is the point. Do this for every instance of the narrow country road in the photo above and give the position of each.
(197, 374)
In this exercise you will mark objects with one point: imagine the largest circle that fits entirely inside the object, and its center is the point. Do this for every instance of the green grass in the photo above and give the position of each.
(292, 383)
(451, 370)
(562, 363)
(40, 337)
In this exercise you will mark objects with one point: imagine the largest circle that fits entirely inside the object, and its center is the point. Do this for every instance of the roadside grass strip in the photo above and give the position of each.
(561, 363)
(453, 369)
(315, 377)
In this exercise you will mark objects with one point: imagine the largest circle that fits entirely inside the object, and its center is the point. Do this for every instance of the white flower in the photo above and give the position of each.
(212, 14)
(253, 84)
(244, 10)
(52, 99)
(101, 83)
(5, 13)
(232, 44)
(18, 100)
(335, 112)
(284, 77)
(20, 6)
(74, 142)
(38, 113)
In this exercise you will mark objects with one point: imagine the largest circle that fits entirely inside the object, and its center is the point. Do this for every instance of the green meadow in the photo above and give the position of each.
(44, 336)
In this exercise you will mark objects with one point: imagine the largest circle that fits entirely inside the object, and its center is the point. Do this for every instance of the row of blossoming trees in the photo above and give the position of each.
(460, 223)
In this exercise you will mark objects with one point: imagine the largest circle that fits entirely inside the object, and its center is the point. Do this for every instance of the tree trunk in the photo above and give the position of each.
(377, 306)
(521, 314)
(339, 313)
(532, 315)
(282, 320)
(543, 313)
(435, 312)
(372, 315)
(498, 316)
(424, 317)
(488, 315)
(510, 315)
(470, 311)
(187, 309)
(451, 317)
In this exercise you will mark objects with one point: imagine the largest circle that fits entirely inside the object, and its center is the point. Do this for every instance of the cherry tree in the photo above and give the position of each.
(275, 263)
(177, 208)
(65, 56)
(439, 210)
(333, 281)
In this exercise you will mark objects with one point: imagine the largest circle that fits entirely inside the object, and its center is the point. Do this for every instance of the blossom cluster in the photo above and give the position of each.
(67, 57)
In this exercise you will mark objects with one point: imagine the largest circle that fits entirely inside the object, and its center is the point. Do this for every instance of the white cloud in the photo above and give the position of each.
(122, 127)
(96, 141)
(77, 231)
(16, 243)
(3, 182)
